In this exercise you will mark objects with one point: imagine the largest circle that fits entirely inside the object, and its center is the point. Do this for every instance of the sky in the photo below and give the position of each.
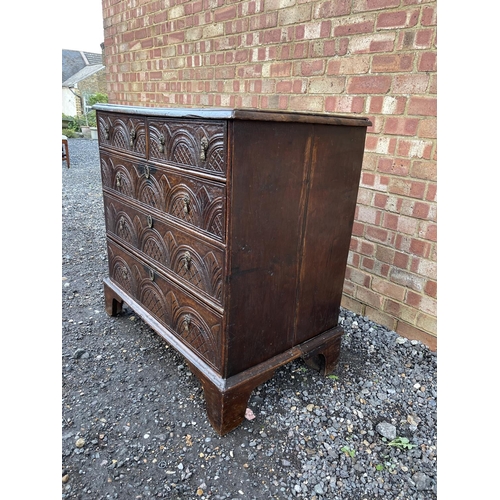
(87, 34)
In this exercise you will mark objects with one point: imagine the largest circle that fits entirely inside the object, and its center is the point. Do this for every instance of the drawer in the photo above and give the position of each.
(186, 198)
(122, 133)
(192, 261)
(189, 144)
(187, 318)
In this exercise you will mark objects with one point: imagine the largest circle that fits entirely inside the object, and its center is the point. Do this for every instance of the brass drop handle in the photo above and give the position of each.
(187, 260)
(186, 202)
(147, 171)
(106, 132)
(204, 147)
(149, 220)
(118, 180)
(186, 322)
(121, 224)
(151, 275)
(162, 143)
(132, 137)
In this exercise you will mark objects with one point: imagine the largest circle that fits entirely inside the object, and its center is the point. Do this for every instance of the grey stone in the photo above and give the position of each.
(387, 430)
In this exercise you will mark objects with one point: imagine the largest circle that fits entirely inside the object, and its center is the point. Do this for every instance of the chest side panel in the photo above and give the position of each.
(268, 183)
(337, 155)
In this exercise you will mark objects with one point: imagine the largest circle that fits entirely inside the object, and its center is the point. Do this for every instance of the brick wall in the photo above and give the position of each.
(375, 58)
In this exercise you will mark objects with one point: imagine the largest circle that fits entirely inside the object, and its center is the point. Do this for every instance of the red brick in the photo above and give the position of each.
(310, 67)
(354, 28)
(379, 235)
(349, 289)
(272, 36)
(371, 298)
(401, 260)
(392, 63)
(426, 106)
(306, 103)
(413, 299)
(359, 277)
(281, 69)
(367, 248)
(391, 221)
(295, 51)
(428, 16)
(401, 126)
(367, 264)
(384, 254)
(224, 13)
(394, 166)
(431, 288)
(380, 200)
(238, 26)
(428, 62)
(349, 65)
(367, 179)
(344, 104)
(381, 4)
(388, 289)
(264, 21)
(420, 210)
(332, 8)
(423, 39)
(250, 71)
(369, 215)
(407, 187)
(427, 128)
(420, 248)
(431, 192)
(410, 84)
(415, 148)
(425, 170)
(428, 231)
(397, 19)
(358, 229)
(369, 84)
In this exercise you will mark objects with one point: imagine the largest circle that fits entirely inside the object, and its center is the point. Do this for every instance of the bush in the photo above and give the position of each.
(68, 133)
(74, 122)
(97, 97)
(91, 118)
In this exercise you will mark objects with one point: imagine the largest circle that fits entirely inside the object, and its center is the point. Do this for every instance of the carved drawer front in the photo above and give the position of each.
(190, 200)
(189, 259)
(183, 315)
(189, 144)
(122, 133)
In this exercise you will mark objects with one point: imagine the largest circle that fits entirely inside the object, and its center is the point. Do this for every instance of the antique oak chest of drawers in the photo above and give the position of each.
(228, 232)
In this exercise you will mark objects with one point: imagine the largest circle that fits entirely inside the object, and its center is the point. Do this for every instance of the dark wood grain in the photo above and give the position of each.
(228, 233)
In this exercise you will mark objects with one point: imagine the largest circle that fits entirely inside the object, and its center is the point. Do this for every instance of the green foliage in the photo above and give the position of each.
(74, 122)
(69, 133)
(91, 118)
(402, 443)
(380, 467)
(348, 451)
(97, 97)
(333, 377)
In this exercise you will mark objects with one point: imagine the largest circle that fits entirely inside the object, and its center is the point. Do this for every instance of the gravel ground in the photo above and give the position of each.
(133, 417)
